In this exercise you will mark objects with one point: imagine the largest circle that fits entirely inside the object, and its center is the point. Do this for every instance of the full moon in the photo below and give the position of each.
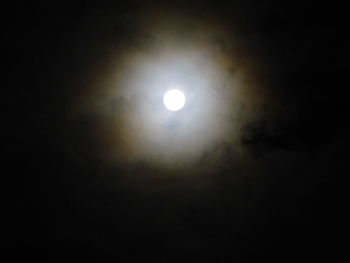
(174, 100)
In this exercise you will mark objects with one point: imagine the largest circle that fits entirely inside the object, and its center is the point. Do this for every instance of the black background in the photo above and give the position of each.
(57, 207)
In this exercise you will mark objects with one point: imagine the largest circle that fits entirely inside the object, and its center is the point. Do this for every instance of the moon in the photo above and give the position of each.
(174, 100)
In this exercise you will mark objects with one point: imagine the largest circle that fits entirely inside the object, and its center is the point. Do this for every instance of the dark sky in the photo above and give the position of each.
(284, 196)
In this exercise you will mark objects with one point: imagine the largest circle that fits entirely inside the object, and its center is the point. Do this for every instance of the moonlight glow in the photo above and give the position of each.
(173, 96)
(174, 100)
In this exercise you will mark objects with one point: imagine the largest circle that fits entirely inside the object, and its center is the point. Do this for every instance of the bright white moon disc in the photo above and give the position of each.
(174, 100)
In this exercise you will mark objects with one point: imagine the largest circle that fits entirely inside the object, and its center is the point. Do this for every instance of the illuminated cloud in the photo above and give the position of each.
(178, 50)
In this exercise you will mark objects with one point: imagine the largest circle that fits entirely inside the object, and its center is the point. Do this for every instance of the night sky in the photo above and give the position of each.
(253, 168)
